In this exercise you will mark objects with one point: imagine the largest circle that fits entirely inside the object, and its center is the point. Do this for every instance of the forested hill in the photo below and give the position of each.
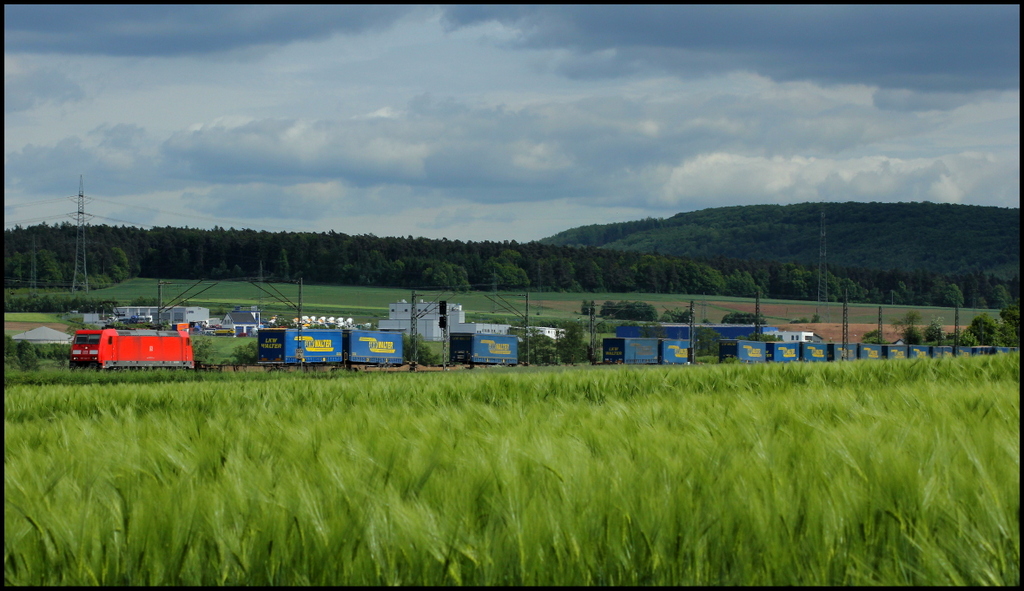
(939, 238)
(118, 253)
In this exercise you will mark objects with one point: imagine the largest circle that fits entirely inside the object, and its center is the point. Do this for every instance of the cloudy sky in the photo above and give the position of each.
(500, 123)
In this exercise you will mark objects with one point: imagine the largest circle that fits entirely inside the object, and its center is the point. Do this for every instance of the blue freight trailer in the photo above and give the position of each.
(870, 351)
(779, 352)
(286, 345)
(373, 347)
(942, 351)
(290, 346)
(813, 352)
(836, 352)
(490, 349)
(673, 352)
(744, 351)
(918, 351)
(630, 351)
(894, 351)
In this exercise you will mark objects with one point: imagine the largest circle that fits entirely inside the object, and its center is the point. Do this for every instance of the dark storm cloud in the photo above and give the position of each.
(179, 30)
(922, 48)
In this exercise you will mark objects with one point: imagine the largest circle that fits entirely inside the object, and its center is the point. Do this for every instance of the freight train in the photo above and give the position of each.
(659, 351)
(356, 349)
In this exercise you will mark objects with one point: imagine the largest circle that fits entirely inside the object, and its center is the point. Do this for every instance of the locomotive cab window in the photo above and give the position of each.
(87, 339)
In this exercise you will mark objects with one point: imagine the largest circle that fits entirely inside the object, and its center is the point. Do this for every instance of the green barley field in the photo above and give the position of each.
(862, 473)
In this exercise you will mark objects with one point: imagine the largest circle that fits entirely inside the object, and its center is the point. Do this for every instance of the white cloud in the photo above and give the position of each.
(758, 179)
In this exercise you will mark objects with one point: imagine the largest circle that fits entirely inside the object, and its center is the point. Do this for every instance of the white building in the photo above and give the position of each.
(243, 322)
(43, 335)
(550, 332)
(400, 320)
(801, 336)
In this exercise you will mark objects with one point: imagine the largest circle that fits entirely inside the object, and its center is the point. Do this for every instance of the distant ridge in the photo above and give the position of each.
(934, 237)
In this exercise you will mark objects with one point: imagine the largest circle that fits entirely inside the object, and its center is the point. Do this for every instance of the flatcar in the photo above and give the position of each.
(131, 349)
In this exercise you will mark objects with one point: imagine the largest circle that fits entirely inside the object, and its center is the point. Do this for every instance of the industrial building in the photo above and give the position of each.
(427, 325)
(175, 315)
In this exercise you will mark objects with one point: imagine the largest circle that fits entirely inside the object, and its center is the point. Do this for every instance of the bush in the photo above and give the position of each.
(626, 310)
(741, 318)
(27, 357)
(245, 354)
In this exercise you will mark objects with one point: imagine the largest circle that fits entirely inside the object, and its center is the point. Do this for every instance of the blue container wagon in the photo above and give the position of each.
(672, 352)
(484, 349)
(373, 347)
(779, 352)
(744, 351)
(869, 351)
(631, 351)
(836, 352)
(814, 352)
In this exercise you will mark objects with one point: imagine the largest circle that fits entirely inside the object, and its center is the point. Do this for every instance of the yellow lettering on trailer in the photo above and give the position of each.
(316, 345)
(379, 346)
(497, 348)
(680, 351)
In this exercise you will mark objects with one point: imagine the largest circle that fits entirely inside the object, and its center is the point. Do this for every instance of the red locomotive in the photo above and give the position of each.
(120, 349)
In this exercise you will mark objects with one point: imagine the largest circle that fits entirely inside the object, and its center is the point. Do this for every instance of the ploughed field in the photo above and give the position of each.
(891, 472)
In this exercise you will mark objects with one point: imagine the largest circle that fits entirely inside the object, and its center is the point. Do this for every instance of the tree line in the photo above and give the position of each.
(118, 253)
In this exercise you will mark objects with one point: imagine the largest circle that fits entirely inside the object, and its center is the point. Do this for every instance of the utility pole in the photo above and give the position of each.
(956, 330)
(442, 320)
(757, 314)
(81, 277)
(32, 284)
(593, 332)
(880, 339)
(300, 351)
(693, 335)
(846, 323)
(413, 331)
(526, 326)
(160, 299)
(822, 271)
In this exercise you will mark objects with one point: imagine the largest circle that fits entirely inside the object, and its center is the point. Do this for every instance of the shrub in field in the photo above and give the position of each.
(856, 473)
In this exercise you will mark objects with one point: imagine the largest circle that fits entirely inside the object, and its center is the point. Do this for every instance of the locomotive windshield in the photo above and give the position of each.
(87, 339)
